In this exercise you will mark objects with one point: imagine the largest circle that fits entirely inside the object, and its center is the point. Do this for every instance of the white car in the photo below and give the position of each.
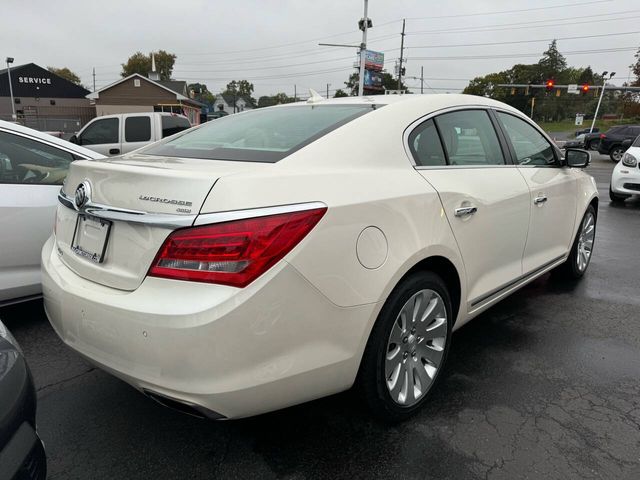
(625, 179)
(33, 166)
(280, 255)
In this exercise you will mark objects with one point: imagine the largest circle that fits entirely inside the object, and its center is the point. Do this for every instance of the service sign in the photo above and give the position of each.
(373, 60)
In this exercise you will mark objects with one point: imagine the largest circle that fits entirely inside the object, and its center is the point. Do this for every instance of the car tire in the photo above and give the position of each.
(617, 197)
(593, 145)
(616, 153)
(578, 261)
(407, 352)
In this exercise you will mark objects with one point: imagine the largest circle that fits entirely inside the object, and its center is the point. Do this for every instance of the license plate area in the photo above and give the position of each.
(90, 238)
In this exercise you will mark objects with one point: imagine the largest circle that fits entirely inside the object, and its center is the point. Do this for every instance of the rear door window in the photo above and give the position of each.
(425, 145)
(172, 124)
(137, 129)
(469, 138)
(263, 135)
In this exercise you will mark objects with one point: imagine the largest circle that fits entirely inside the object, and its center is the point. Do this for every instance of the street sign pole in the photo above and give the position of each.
(363, 49)
(593, 122)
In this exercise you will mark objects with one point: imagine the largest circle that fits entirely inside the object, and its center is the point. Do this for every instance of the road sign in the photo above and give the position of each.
(573, 88)
(579, 118)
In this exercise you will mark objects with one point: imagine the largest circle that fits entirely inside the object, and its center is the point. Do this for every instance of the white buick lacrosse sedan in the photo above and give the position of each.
(280, 255)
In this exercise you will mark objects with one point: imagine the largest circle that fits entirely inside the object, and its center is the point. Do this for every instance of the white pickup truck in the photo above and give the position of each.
(117, 134)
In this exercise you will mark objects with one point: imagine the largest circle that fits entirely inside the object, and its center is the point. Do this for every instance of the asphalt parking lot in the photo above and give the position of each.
(544, 385)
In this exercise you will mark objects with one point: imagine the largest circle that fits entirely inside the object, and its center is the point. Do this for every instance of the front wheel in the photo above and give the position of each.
(616, 154)
(580, 255)
(407, 348)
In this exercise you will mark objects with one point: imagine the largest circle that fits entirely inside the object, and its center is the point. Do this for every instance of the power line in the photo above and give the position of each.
(526, 41)
(517, 55)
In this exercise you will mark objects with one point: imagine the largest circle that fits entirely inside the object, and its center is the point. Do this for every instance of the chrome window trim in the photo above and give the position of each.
(180, 221)
(416, 123)
(220, 217)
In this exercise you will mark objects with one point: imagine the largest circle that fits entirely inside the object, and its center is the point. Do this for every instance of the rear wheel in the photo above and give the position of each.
(593, 145)
(617, 197)
(580, 255)
(408, 347)
(616, 153)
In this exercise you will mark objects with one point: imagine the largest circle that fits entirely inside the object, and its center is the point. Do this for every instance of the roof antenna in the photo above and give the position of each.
(315, 96)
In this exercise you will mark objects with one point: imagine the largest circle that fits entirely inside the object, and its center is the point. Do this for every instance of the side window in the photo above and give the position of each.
(137, 129)
(529, 144)
(425, 146)
(172, 125)
(23, 160)
(469, 138)
(101, 131)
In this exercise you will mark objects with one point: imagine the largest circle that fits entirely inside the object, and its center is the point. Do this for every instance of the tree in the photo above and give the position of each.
(141, 64)
(277, 99)
(240, 88)
(635, 68)
(201, 93)
(552, 61)
(340, 93)
(65, 73)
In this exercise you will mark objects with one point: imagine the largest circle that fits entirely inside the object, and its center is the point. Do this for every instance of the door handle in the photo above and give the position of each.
(114, 151)
(464, 211)
(539, 200)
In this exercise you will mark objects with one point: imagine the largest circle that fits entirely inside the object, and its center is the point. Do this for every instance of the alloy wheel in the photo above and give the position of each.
(585, 241)
(415, 347)
(616, 154)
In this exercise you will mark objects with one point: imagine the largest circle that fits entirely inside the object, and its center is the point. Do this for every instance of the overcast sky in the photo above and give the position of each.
(274, 44)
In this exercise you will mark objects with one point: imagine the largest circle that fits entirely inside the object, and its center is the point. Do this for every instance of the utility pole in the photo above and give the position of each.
(604, 85)
(328, 84)
(94, 79)
(363, 50)
(13, 104)
(401, 55)
(422, 80)
(295, 93)
(533, 103)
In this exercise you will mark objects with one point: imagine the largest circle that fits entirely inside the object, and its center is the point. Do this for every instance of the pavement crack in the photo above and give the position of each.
(64, 380)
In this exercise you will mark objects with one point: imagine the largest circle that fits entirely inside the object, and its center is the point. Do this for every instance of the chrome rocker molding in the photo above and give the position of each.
(179, 221)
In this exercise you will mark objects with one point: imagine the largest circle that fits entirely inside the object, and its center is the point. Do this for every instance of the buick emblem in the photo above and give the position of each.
(83, 194)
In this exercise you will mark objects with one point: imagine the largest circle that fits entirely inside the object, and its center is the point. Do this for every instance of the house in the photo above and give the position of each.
(226, 102)
(43, 100)
(137, 93)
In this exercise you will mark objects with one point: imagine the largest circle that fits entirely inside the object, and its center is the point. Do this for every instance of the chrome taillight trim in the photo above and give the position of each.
(179, 221)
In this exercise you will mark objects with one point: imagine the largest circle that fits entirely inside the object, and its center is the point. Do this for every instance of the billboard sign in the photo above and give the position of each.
(373, 80)
(373, 60)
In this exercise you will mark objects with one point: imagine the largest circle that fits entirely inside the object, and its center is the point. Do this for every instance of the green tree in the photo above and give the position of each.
(340, 93)
(552, 62)
(65, 73)
(240, 88)
(201, 93)
(635, 68)
(277, 99)
(141, 64)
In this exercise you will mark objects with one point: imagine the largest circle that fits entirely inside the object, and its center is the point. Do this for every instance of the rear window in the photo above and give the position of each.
(137, 129)
(265, 135)
(172, 124)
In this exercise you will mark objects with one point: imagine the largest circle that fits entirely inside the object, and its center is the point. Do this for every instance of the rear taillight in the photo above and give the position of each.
(232, 253)
(602, 135)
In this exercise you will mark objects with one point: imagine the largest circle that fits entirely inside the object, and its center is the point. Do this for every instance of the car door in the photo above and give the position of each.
(102, 135)
(31, 173)
(485, 200)
(137, 132)
(553, 192)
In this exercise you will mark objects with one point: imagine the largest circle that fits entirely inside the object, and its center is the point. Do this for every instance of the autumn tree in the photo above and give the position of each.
(141, 63)
(66, 73)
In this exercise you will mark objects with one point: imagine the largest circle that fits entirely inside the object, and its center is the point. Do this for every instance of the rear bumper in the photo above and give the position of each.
(236, 352)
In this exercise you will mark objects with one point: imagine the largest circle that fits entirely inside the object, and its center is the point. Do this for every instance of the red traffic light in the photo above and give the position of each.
(550, 84)
(585, 89)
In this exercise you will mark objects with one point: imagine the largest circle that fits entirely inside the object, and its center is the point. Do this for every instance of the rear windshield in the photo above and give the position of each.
(173, 124)
(264, 135)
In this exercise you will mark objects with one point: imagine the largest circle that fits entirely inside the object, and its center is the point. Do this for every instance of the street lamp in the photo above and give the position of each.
(13, 105)
(604, 85)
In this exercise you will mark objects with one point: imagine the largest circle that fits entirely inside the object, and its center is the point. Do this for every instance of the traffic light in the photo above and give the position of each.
(550, 84)
(585, 89)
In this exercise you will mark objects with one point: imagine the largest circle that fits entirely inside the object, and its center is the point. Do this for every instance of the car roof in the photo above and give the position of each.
(50, 139)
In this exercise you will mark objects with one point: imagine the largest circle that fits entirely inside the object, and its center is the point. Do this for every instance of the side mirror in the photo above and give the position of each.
(74, 139)
(577, 158)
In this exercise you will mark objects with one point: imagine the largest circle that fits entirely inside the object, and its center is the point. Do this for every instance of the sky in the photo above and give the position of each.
(274, 44)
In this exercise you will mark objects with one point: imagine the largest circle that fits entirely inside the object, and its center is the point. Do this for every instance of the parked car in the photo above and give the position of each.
(584, 131)
(117, 134)
(33, 166)
(286, 253)
(22, 454)
(610, 142)
(216, 114)
(625, 178)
